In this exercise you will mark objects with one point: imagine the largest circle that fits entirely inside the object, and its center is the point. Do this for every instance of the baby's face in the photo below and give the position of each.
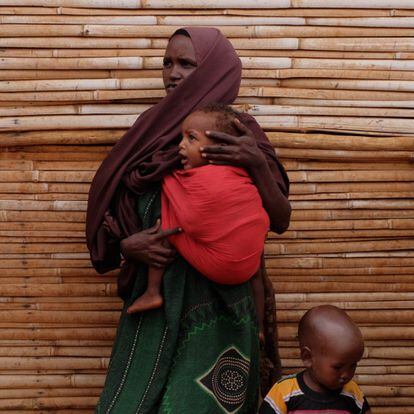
(334, 366)
(194, 137)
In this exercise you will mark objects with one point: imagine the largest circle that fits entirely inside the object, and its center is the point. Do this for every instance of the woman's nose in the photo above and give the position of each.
(175, 73)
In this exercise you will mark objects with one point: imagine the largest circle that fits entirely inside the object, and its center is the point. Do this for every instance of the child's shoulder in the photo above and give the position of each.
(287, 381)
(285, 388)
(351, 389)
(280, 395)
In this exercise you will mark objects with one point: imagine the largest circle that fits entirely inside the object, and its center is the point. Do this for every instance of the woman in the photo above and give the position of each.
(199, 353)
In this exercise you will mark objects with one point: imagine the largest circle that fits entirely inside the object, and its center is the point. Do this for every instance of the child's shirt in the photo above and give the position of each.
(292, 396)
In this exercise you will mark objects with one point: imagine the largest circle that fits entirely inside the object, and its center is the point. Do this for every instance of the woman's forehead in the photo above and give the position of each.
(180, 45)
(203, 39)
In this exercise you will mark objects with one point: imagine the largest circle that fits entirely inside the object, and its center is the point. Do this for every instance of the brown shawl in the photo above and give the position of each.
(149, 150)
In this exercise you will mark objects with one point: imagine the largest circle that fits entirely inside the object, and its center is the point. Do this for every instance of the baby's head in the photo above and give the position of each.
(331, 346)
(212, 117)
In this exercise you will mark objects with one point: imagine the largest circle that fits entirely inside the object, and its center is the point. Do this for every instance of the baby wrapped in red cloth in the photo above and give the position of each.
(223, 223)
(219, 210)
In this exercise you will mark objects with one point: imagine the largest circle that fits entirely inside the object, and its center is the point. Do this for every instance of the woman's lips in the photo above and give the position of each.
(170, 87)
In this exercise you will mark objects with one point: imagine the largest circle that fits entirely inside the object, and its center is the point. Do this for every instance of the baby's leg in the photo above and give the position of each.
(152, 297)
(259, 300)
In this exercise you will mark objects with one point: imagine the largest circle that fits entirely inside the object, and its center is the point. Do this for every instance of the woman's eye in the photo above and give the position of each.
(187, 64)
(191, 137)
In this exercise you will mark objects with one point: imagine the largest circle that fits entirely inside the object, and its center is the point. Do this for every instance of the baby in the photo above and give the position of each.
(224, 224)
(331, 345)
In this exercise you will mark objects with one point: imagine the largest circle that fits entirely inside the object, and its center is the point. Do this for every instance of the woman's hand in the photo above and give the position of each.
(241, 151)
(150, 246)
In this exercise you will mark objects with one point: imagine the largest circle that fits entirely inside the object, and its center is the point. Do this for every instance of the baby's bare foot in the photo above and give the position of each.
(146, 302)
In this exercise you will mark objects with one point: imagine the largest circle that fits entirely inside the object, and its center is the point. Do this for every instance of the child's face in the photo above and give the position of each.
(331, 367)
(194, 137)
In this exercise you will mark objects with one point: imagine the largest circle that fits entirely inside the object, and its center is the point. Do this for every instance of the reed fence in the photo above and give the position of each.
(331, 82)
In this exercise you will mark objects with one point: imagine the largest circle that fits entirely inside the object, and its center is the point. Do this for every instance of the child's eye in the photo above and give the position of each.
(166, 63)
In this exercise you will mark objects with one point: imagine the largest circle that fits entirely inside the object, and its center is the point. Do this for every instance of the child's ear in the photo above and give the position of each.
(306, 355)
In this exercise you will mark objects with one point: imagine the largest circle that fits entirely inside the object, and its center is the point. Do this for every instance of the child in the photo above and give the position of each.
(331, 345)
(219, 210)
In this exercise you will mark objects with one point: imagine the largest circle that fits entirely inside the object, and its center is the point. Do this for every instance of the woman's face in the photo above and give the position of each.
(179, 61)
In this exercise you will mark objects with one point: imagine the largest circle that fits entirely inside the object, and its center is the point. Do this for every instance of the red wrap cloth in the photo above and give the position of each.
(224, 223)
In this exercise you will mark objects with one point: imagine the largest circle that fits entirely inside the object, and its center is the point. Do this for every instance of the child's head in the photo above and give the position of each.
(331, 345)
(213, 117)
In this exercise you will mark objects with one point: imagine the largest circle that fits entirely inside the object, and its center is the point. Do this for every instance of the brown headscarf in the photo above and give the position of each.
(149, 149)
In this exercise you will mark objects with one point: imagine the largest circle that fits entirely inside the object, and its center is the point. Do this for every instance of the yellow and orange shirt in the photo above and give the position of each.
(292, 396)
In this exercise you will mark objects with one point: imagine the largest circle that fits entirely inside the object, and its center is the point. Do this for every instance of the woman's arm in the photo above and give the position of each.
(243, 151)
(274, 201)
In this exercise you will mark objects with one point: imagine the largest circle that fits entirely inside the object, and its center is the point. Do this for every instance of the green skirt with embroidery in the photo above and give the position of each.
(197, 354)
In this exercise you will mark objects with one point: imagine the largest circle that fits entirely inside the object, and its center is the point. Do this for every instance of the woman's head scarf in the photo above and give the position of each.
(149, 149)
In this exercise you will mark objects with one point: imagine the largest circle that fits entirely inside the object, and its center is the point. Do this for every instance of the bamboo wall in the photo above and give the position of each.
(332, 86)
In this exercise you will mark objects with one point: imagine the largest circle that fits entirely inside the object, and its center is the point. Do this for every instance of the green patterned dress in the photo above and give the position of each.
(197, 354)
